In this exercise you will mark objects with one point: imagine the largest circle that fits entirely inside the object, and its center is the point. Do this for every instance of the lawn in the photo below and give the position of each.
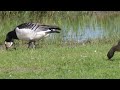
(87, 61)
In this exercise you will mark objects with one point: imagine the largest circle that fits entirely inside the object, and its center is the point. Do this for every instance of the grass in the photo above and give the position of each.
(58, 59)
(60, 62)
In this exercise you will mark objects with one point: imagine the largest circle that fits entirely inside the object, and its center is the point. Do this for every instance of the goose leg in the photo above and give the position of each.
(31, 44)
(14, 46)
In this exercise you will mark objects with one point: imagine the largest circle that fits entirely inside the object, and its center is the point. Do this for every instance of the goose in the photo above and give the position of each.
(112, 50)
(30, 32)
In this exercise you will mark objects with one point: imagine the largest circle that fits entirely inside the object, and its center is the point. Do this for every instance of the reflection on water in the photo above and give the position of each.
(89, 28)
(83, 35)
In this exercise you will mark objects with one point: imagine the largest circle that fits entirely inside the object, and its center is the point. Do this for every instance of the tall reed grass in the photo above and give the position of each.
(109, 20)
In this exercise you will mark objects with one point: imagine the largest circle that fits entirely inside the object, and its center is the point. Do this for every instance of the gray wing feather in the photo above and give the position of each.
(38, 27)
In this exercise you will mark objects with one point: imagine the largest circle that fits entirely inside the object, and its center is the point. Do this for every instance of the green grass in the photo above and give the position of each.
(60, 62)
(56, 59)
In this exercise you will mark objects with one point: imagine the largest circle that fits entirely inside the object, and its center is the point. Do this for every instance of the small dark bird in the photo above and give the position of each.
(112, 50)
(30, 32)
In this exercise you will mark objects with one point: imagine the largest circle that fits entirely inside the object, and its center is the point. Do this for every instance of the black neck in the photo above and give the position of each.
(10, 36)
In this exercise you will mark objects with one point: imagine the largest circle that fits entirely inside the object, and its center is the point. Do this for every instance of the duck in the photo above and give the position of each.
(30, 32)
(113, 49)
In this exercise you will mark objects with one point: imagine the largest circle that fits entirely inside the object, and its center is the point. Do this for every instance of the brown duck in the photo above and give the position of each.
(114, 48)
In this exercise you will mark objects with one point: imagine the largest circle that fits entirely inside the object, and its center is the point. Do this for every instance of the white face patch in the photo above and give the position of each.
(8, 44)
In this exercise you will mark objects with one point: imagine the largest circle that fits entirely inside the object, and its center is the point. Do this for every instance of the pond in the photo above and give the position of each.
(88, 33)
(90, 28)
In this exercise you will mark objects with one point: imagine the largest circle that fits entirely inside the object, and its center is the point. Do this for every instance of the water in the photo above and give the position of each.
(81, 35)
(90, 28)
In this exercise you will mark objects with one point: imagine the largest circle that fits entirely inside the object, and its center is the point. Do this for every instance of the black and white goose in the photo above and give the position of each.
(30, 32)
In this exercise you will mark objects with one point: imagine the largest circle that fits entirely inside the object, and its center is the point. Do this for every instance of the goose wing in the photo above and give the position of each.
(37, 27)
